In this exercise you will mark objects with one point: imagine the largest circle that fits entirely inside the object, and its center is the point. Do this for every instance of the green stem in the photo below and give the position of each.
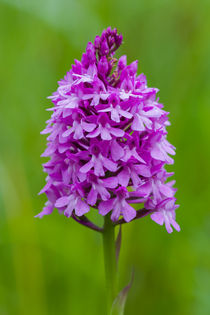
(110, 262)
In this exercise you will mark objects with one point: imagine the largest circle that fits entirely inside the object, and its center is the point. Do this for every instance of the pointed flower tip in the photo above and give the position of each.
(38, 216)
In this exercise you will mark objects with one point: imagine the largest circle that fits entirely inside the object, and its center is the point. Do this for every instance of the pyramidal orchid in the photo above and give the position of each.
(108, 146)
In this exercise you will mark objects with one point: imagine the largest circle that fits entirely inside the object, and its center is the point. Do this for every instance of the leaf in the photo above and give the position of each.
(118, 244)
(118, 305)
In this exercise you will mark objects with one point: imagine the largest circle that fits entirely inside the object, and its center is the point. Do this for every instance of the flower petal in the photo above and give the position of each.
(124, 177)
(117, 151)
(105, 206)
(62, 202)
(129, 213)
(87, 167)
(117, 132)
(81, 207)
(92, 197)
(157, 217)
(111, 166)
(110, 182)
(88, 126)
(105, 134)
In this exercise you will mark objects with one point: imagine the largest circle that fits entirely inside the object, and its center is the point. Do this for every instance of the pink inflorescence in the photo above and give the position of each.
(107, 142)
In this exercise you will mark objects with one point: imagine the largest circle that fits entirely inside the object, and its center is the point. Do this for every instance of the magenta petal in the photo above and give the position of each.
(111, 166)
(45, 188)
(68, 211)
(168, 147)
(81, 207)
(92, 197)
(88, 127)
(117, 151)
(157, 153)
(105, 134)
(78, 133)
(48, 209)
(129, 213)
(117, 132)
(147, 122)
(176, 225)
(105, 195)
(145, 189)
(66, 175)
(116, 211)
(157, 217)
(115, 115)
(168, 227)
(135, 179)
(168, 204)
(62, 202)
(124, 177)
(67, 132)
(166, 190)
(105, 206)
(125, 114)
(98, 168)
(49, 150)
(143, 170)
(48, 129)
(137, 123)
(110, 182)
(94, 133)
(85, 168)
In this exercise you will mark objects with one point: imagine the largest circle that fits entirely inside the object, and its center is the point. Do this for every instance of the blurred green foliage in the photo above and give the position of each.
(54, 266)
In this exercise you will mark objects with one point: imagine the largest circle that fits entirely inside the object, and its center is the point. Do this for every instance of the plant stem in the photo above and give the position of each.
(110, 262)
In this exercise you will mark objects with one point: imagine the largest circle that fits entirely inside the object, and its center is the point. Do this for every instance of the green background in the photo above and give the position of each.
(55, 266)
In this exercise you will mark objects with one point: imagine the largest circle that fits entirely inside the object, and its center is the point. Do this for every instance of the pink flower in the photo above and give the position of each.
(118, 205)
(166, 214)
(107, 140)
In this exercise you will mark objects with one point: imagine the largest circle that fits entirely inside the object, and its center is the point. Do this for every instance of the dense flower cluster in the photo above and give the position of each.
(107, 142)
